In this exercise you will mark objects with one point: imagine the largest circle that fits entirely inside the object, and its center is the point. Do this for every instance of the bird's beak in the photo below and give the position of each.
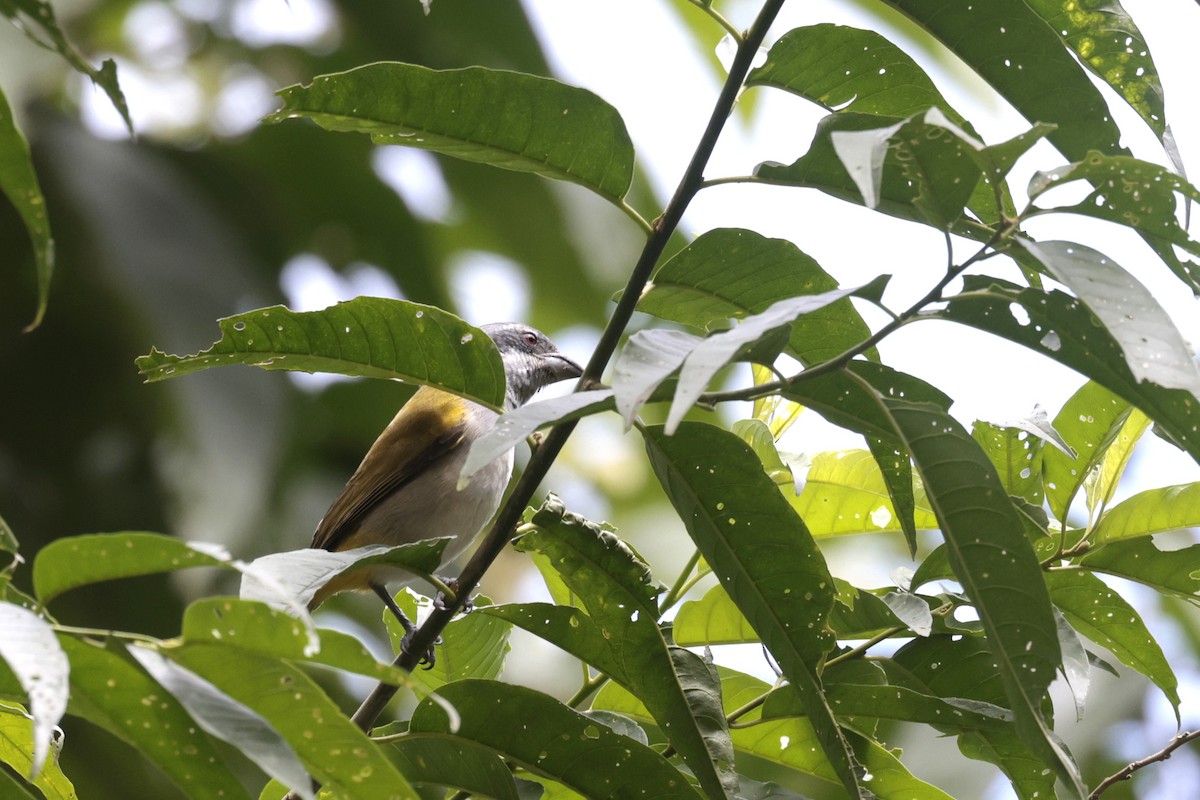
(562, 368)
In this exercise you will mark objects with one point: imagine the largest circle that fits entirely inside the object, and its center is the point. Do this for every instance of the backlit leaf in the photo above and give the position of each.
(19, 184)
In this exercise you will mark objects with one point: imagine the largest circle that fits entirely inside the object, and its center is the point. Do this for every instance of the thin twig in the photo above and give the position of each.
(1127, 772)
(865, 646)
(681, 584)
(717, 17)
(497, 537)
(585, 691)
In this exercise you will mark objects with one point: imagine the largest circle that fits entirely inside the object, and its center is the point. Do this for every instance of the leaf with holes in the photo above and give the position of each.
(1079, 341)
(732, 272)
(996, 565)
(1169, 508)
(370, 337)
(506, 119)
(1103, 616)
(29, 647)
(844, 493)
(1174, 572)
(620, 634)
(1016, 455)
(763, 555)
(1089, 422)
(555, 741)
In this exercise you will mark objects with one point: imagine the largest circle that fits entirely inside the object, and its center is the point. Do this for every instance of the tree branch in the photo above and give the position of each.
(662, 228)
(1127, 773)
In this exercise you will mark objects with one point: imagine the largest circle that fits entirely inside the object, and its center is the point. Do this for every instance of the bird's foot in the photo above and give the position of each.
(428, 658)
(442, 602)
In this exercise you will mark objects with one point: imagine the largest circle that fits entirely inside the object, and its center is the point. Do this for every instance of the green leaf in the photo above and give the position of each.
(844, 492)
(620, 635)
(1175, 571)
(257, 628)
(226, 718)
(895, 468)
(1134, 193)
(1170, 508)
(1154, 348)
(109, 690)
(17, 744)
(8, 539)
(370, 337)
(29, 647)
(848, 69)
(713, 619)
(731, 272)
(334, 750)
(1110, 45)
(891, 702)
(763, 555)
(934, 161)
(996, 565)
(791, 743)
(36, 18)
(1015, 51)
(506, 119)
(554, 741)
(1103, 616)
(449, 760)
(19, 183)
(1082, 343)
(1017, 457)
(1101, 483)
(1089, 422)
(961, 668)
(81, 560)
(473, 646)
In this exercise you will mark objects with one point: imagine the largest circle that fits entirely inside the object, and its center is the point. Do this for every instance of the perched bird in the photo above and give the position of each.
(406, 488)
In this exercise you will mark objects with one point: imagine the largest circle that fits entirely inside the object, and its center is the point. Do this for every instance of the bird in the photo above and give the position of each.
(407, 487)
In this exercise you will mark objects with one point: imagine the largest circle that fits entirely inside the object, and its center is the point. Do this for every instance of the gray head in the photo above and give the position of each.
(531, 361)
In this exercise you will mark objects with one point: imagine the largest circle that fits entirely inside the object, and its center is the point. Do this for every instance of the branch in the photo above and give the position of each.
(1127, 773)
(499, 534)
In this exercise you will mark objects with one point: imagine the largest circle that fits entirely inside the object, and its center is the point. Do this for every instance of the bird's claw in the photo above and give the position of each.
(428, 658)
(440, 602)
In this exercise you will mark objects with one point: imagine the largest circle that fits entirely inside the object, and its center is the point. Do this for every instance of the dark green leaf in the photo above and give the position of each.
(473, 646)
(1103, 616)
(334, 750)
(731, 272)
(370, 337)
(996, 565)
(1081, 342)
(1154, 348)
(8, 539)
(935, 163)
(791, 743)
(36, 18)
(1135, 193)
(507, 119)
(448, 760)
(80, 560)
(109, 690)
(257, 628)
(891, 702)
(19, 183)
(29, 647)
(1015, 51)
(763, 555)
(1110, 45)
(962, 669)
(554, 740)
(896, 470)
(843, 400)
(848, 69)
(620, 633)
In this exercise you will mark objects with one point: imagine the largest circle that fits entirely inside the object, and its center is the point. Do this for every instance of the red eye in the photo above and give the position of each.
(530, 338)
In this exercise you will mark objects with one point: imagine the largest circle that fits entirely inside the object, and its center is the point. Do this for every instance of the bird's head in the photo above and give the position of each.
(531, 360)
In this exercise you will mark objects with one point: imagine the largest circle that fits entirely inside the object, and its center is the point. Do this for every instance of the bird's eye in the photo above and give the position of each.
(530, 338)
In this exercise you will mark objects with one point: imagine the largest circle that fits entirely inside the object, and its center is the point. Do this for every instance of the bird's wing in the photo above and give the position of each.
(428, 427)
